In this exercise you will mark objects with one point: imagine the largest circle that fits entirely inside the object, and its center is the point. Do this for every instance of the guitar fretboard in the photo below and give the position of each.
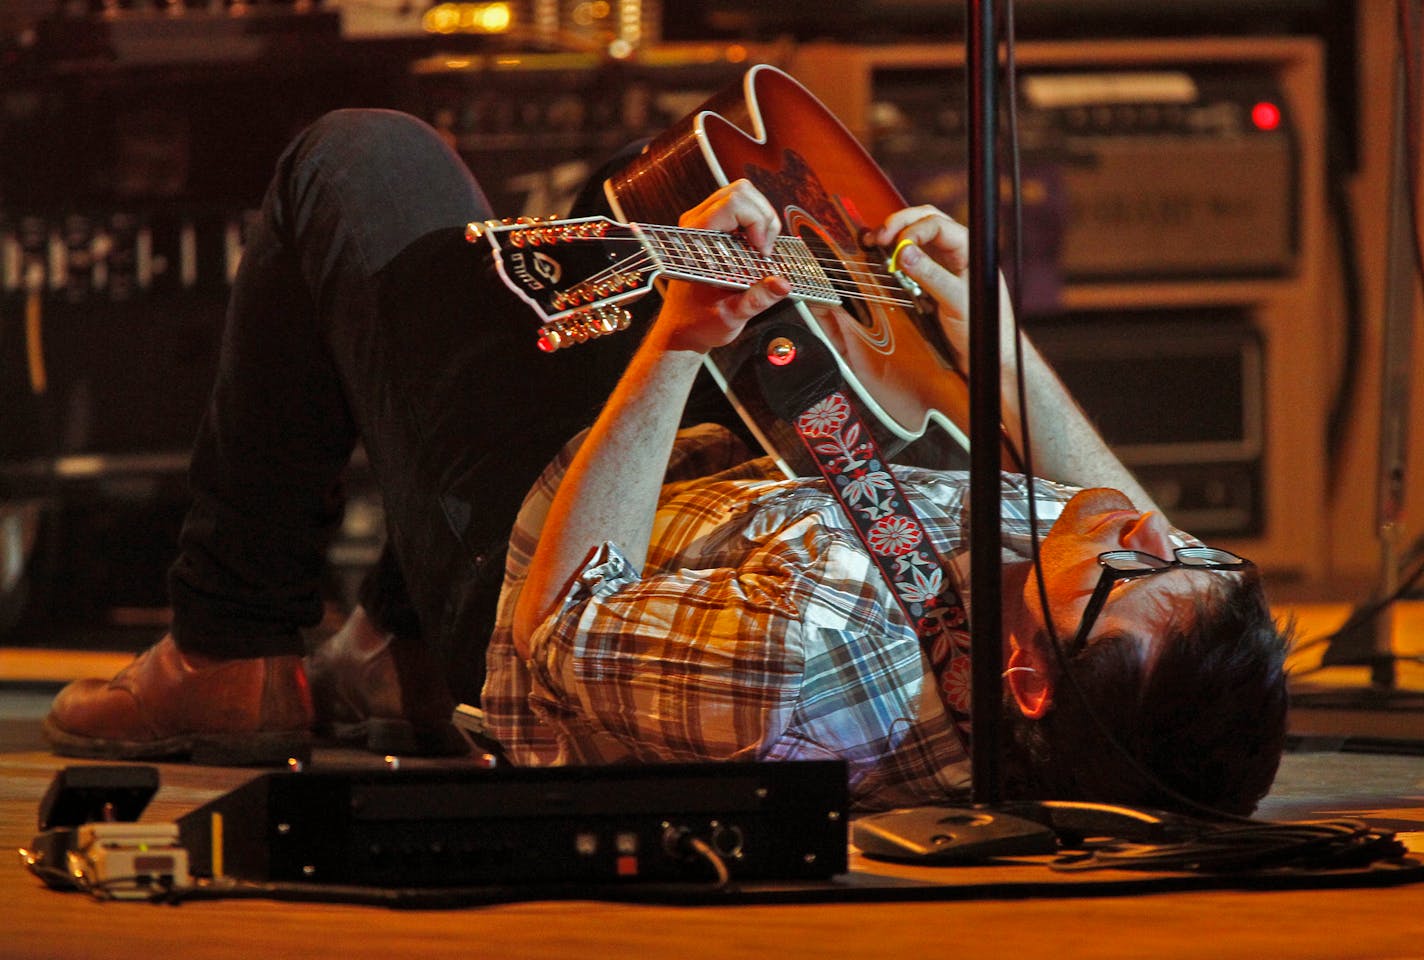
(725, 259)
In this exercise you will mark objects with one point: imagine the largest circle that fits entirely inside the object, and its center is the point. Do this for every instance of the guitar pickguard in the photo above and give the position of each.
(795, 186)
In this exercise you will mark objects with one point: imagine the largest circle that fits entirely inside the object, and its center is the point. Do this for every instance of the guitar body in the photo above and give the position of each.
(828, 190)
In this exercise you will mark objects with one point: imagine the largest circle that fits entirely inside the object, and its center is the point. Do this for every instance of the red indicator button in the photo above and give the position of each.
(1266, 115)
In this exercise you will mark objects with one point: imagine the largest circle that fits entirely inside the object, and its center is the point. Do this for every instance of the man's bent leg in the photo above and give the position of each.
(276, 435)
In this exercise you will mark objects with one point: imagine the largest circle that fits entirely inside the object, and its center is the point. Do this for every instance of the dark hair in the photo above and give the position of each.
(1208, 721)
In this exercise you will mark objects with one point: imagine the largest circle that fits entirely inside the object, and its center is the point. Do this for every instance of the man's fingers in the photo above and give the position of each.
(901, 219)
(944, 285)
(762, 296)
(736, 309)
(701, 317)
(940, 235)
(737, 206)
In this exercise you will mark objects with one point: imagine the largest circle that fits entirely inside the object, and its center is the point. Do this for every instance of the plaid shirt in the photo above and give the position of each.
(759, 630)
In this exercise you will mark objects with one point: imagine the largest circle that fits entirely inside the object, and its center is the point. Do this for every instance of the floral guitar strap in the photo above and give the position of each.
(803, 386)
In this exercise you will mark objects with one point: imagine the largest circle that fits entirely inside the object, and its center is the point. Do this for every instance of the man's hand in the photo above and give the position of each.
(1066, 447)
(944, 238)
(933, 250)
(610, 491)
(698, 317)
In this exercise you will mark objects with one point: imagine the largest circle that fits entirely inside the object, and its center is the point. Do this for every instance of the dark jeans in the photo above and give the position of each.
(360, 313)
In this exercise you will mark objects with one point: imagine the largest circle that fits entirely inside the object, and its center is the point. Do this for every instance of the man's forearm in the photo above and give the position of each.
(610, 491)
(1066, 446)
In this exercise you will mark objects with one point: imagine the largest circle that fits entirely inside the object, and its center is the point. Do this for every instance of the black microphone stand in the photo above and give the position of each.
(985, 572)
(998, 825)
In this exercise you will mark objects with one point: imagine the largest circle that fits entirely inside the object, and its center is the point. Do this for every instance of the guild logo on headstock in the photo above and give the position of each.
(535, 269)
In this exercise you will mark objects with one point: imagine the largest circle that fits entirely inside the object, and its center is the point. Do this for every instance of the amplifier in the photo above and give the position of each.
(467, 826)
(1166, 172)
(1180, 397)
(534, 127)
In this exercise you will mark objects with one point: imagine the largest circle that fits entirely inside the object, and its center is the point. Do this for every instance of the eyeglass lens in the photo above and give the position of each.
(1128, 561)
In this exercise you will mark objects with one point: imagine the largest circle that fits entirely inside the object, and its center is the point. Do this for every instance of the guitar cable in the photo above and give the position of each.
(1010, 69)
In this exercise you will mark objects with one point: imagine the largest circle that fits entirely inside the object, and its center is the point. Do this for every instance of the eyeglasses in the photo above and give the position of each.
(1133, 564)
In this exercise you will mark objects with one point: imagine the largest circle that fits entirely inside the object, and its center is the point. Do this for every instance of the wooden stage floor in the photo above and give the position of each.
(1323, 777)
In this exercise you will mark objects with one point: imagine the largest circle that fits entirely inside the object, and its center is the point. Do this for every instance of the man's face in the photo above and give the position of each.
(1093, 522)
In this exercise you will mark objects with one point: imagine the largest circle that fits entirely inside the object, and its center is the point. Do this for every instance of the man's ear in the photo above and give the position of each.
(1031, 681)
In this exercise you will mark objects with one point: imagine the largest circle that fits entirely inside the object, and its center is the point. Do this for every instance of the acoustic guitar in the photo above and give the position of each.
(885, 336)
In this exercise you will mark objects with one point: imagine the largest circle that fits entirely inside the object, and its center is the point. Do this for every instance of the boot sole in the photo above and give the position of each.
(262, 749)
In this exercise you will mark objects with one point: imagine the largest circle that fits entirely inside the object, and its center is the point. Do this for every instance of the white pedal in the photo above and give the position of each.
(130, 861)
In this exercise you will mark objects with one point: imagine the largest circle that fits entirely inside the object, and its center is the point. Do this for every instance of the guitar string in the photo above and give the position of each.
(849, 287)
(882, 288)
(831, 266)
(836, 272)
(861, 274)
(865, 285)
(659, 233)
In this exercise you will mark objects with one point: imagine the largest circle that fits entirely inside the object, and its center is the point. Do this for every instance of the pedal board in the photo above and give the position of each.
(456, 827)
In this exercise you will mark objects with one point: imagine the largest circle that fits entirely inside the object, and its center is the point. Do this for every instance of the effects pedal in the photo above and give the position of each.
(129, 861)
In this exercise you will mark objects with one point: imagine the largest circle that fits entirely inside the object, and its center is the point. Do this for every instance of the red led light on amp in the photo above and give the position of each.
(1266, 115)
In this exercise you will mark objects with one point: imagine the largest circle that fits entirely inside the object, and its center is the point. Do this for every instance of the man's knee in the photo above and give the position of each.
(378, 136)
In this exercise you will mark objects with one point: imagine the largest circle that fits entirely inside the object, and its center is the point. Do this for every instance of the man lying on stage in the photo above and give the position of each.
(719, 612)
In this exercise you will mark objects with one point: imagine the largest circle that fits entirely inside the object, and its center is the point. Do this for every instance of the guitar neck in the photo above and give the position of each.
(724, 259)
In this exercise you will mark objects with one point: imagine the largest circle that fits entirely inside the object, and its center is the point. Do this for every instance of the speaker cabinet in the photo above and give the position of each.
(1180, 396)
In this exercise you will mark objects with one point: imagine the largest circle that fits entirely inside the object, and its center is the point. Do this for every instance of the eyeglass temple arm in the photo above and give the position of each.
(1095, 606)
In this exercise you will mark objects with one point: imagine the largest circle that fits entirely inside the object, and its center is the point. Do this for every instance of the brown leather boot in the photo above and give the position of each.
(370, 690)
(167, 704)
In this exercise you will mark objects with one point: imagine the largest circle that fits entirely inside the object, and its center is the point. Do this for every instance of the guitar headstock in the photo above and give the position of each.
(573, 273)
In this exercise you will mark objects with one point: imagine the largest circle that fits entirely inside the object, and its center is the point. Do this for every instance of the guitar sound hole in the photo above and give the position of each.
(850, 291)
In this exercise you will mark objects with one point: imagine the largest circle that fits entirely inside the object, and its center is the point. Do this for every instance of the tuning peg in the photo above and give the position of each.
(612, 319)
(475, 230)
(583, 327)
(549, 339)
